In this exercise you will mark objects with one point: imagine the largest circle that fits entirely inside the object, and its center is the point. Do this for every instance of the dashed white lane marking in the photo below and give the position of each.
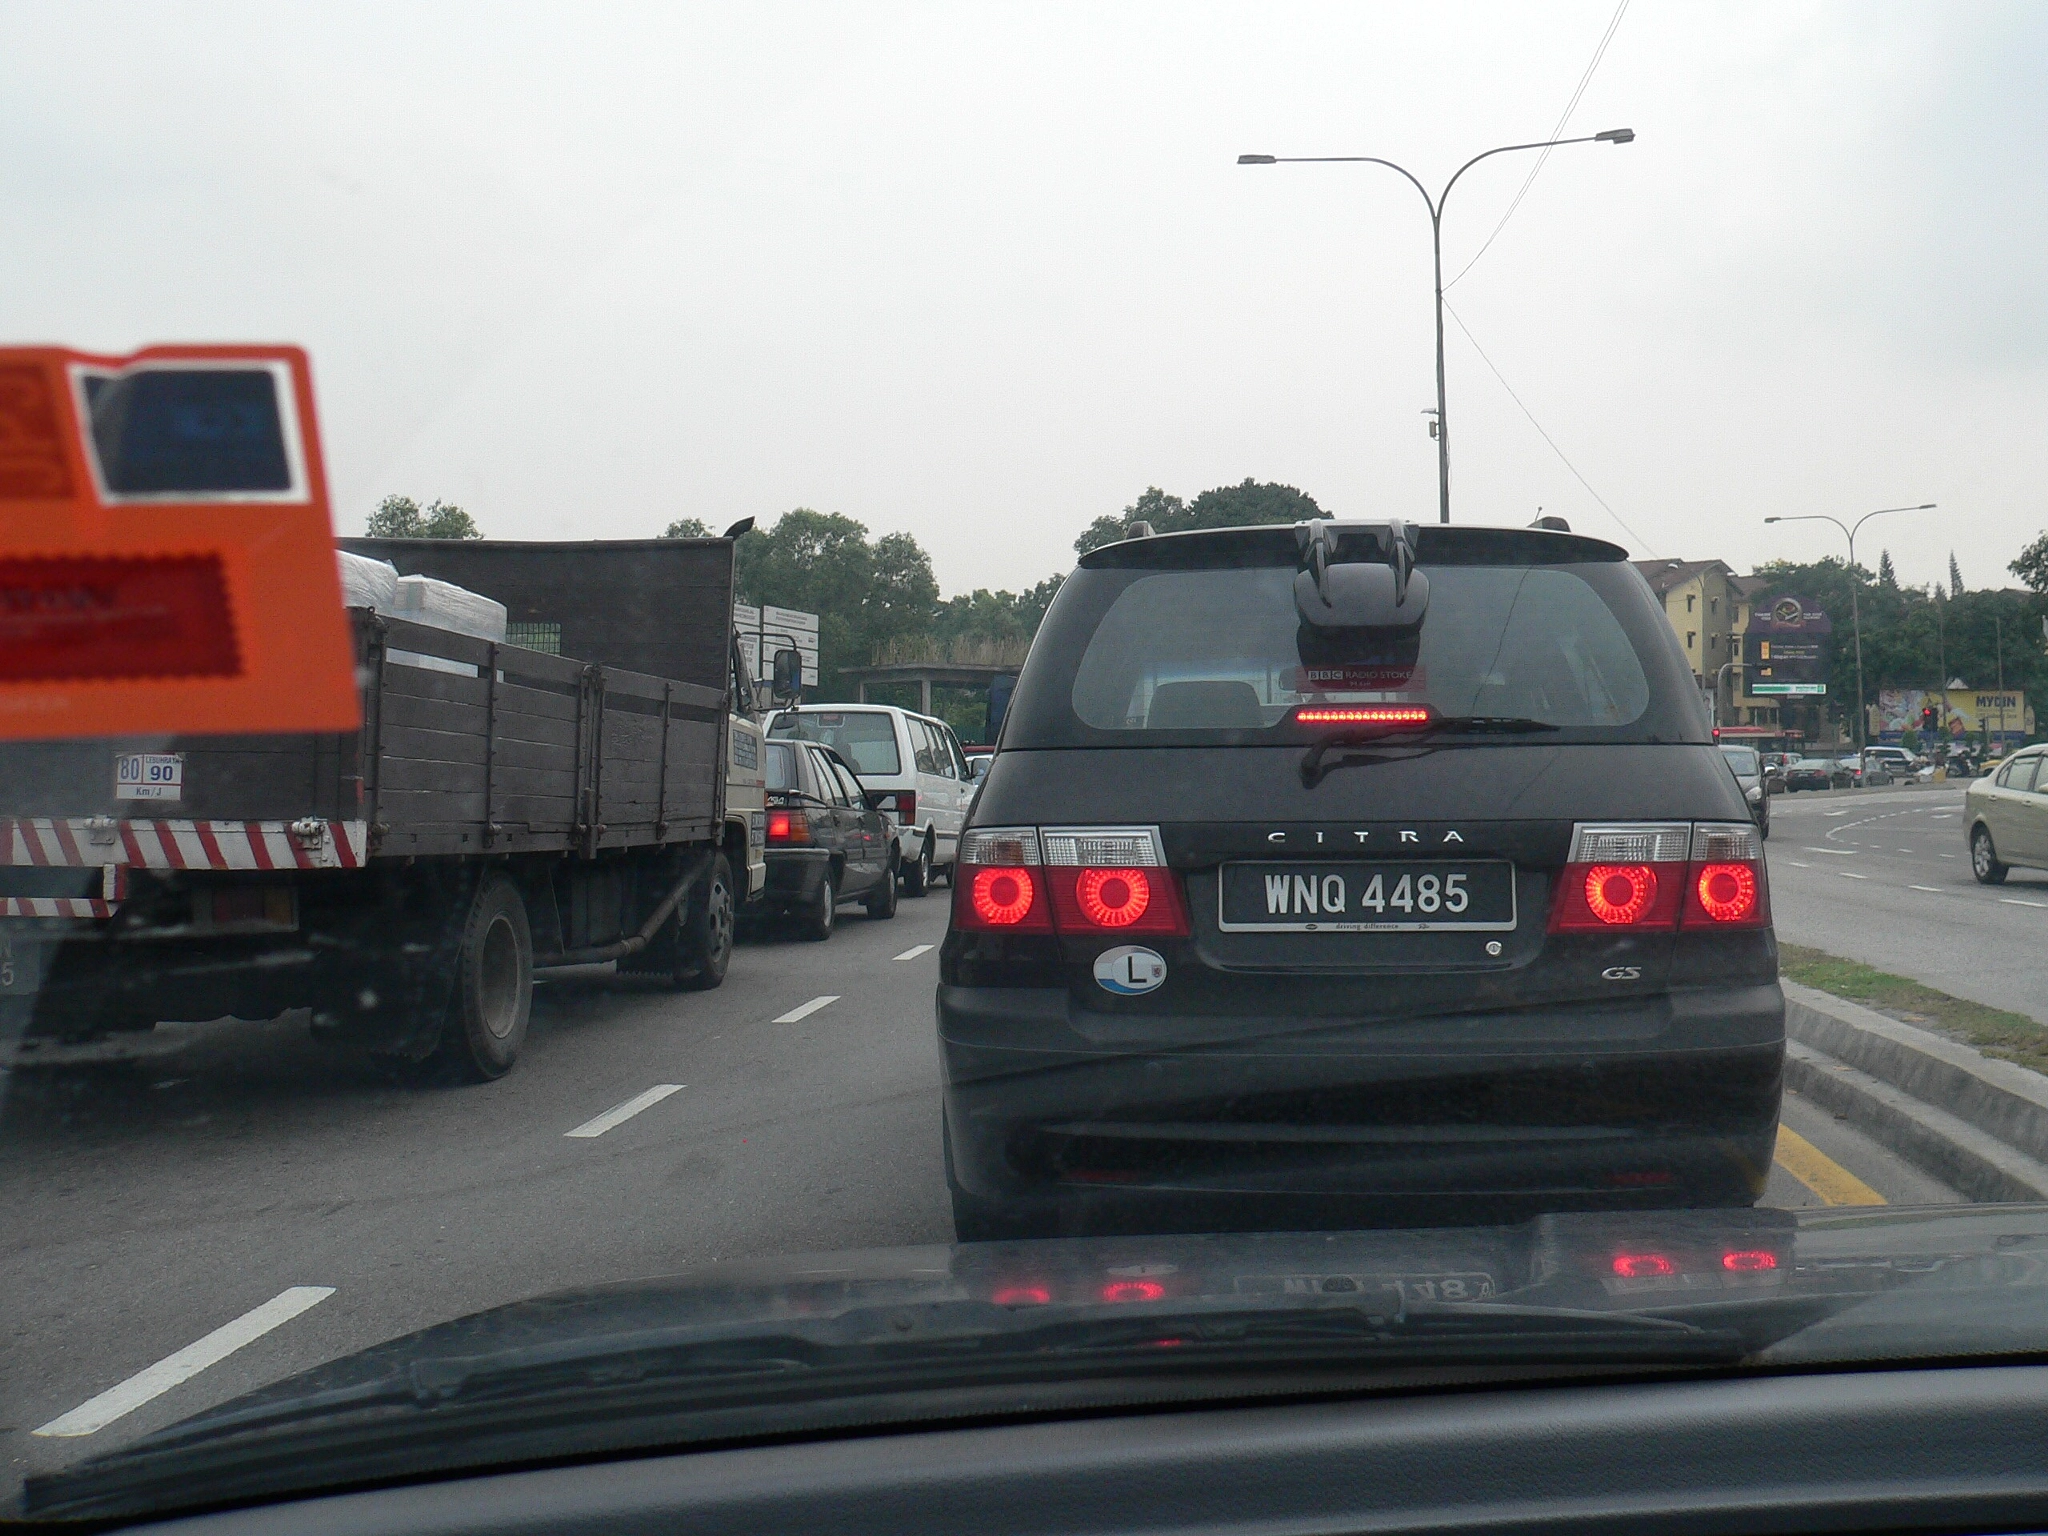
(1933, 888)
(1797, 865)
(798, 1015)
(914, 951)
(1840, 853)
(1838, 813)
(2014, 901)
(619, 1114)
(1848, 875)
(1948, 855)
(146, 1385)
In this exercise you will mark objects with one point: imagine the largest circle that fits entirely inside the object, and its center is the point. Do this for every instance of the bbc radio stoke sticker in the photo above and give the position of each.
(149, 775)
(1129, 970)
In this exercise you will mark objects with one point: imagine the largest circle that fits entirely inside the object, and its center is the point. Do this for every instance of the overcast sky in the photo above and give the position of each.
(984, 273)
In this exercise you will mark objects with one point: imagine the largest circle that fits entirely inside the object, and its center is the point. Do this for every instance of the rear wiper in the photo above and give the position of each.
(1314, 766)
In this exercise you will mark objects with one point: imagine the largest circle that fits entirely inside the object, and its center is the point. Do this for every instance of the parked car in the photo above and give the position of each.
(1815, 773)
(1748, 769)
(912, 768)
(2006, 814)
(1864, 772)
(825, 842)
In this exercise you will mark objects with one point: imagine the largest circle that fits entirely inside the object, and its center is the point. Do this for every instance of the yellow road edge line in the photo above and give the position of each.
(1820, 1173)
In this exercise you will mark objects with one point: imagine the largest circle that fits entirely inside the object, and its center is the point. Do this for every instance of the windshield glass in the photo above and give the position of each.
(866, 738)
(729, 724)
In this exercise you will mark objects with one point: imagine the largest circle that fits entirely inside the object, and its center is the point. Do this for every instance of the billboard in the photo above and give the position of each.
(2003, 712)
(1785, 650)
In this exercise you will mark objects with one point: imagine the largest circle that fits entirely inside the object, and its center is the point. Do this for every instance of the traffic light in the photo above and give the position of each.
(1930, 718)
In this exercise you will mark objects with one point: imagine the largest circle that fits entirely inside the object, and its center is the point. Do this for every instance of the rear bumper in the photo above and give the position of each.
(1669, 1099)
(794, 875)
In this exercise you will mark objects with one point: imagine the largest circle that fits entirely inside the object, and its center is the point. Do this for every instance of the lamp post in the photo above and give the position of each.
(1855, 607)
(1436, 227)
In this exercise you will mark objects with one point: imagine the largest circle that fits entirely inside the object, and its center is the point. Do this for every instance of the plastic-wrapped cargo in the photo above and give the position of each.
(444, 605)
(367, 583)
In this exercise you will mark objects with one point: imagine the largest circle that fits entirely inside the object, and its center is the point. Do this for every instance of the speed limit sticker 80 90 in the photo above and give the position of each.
(149, 775)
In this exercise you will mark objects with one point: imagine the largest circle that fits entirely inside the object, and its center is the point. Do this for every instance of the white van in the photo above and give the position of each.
(912, 767)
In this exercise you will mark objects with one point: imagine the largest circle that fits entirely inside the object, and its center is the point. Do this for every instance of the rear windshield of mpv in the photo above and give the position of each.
(1215, 649)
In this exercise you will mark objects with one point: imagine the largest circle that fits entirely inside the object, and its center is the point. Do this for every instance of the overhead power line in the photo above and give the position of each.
(1556, 133)
(1641, 543)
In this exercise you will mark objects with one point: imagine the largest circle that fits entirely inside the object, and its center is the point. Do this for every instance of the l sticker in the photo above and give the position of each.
(1129, 970)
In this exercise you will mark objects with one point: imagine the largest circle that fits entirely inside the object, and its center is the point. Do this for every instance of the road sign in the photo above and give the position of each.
(166, 551)
(1783, 690)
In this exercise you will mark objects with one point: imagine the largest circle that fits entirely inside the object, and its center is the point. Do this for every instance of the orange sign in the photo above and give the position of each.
(166, 550)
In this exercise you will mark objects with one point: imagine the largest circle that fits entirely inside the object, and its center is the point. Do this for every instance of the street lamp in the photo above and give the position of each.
(1855, 608)
(1436, 226)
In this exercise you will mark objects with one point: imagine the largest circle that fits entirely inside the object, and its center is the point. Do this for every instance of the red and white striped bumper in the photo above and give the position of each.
(81, 842)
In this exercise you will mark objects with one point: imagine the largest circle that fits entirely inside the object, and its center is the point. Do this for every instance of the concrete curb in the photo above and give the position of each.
(1977, 1124)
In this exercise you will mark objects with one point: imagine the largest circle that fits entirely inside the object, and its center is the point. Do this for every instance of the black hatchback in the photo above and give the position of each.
(826, 843)
(1350, 873)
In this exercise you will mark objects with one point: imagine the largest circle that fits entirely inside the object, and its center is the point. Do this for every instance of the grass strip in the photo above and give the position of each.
(2008, 1036)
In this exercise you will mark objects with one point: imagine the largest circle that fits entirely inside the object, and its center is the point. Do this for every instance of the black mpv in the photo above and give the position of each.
(1353, 873)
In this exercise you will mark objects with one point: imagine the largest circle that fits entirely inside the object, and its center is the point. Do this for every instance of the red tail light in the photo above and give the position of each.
(1643, 1266)
(1623, 875)
(1749, 1261)
(1002, 897)
(1649, 875)
(1071, 880)
(1725, 886)
(1112, 880)
(999, 882)
(788, 827)
(900, 803)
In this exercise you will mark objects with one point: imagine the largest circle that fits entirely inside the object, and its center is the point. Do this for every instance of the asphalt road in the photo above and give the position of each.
(257, 1183)
(1883, 876)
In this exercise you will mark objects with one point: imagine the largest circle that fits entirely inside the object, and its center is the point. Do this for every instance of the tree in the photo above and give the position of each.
(400, 517)
(995, 617)
(1886, 576)
(687, 528)
(1955, 576)
(1162, 511)
(865, 594)
(2032, 565)
(1246, 504)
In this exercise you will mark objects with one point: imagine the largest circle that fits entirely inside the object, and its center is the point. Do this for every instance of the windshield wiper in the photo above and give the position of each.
(1314, 765)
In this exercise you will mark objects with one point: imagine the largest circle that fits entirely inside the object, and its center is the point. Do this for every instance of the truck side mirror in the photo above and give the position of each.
(789, 674)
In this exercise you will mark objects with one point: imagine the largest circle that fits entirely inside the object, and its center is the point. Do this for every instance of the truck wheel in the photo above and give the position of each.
(493, 985)
(882, 902)
(917, 877)
(815, 922)
(706, 943)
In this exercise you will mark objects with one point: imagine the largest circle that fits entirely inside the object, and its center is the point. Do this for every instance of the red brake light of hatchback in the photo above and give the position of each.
(1623, 875)
(1643, 1266)
(1749, 1261)
(1725, 883)
(1111, 880)
(999, 882)
(1364, 714)
(788, 827)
